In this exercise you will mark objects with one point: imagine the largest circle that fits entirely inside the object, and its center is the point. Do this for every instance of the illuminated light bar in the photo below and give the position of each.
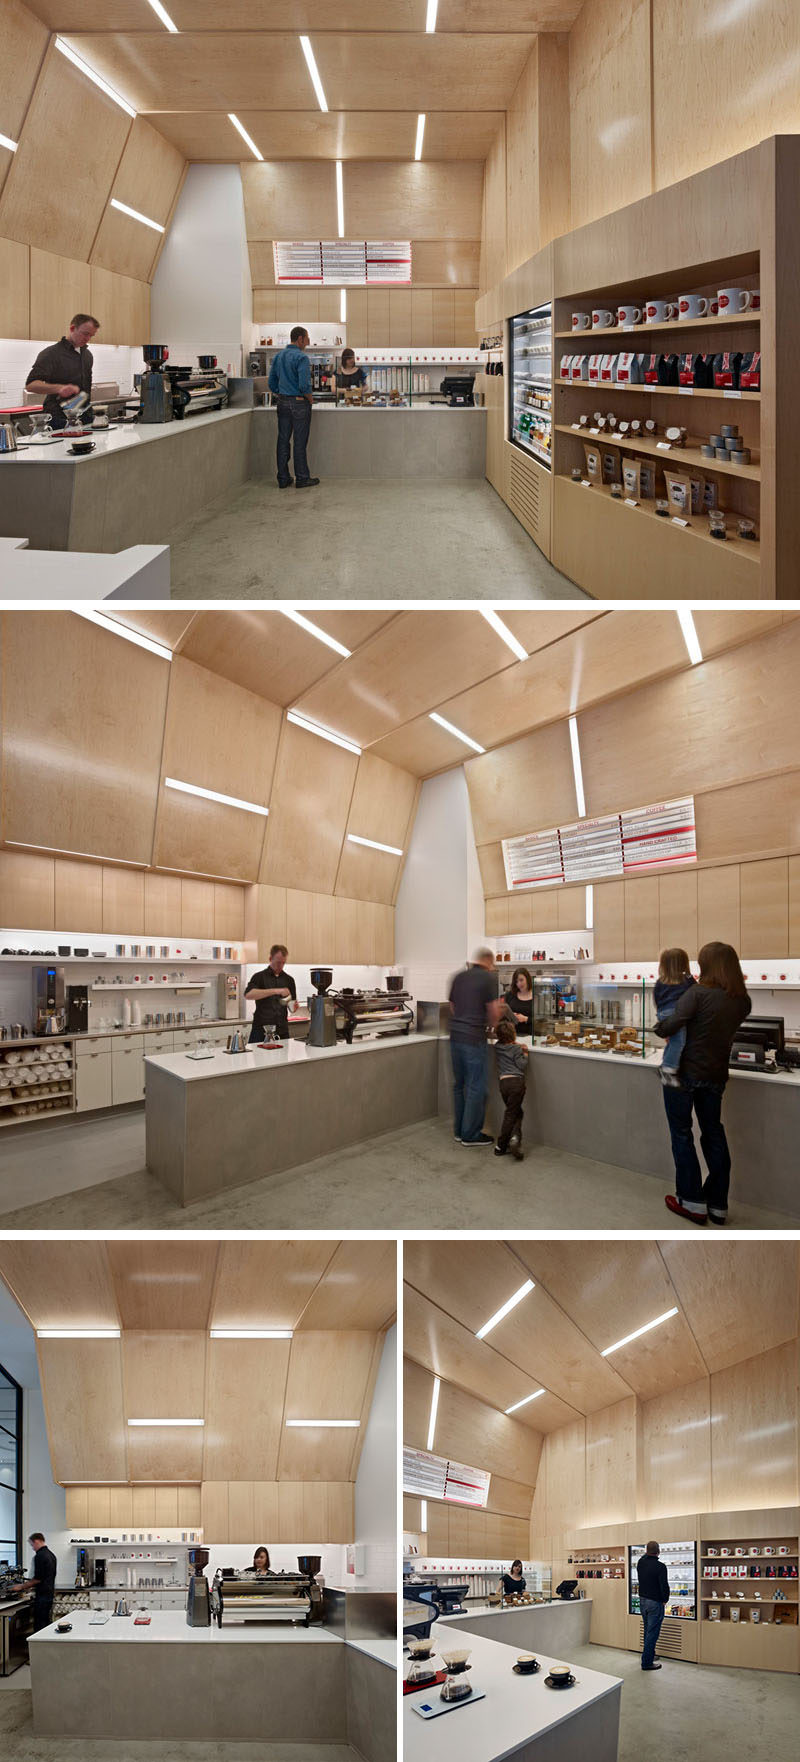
(324, 1422)
(506, 1310)
(507, 635)
(250, 1333)
(314, 629)
(83, 67)
(228, 801)
(576, 767)
(589, 907)
(423, 1513)
(161, 12)
(91, 856)
(142, 642)
(77, 1333)
(340, 198)
(639, 1331)
(527, 1398)
(434, 1407)
(166, 1422)
(135, 215)
(420, 135)
(305, 44)
(245, 136)
(391, 849)
(6, 141)
(430, 17)
(690, 637)
(468, 741)
(324, 733)
(343, 306)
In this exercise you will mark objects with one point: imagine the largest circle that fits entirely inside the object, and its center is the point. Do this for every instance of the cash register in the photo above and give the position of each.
(758, 1044)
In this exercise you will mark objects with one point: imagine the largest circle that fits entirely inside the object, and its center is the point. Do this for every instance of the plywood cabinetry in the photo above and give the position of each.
(497, 916)
(310, 926)
(27, 891)
(677, 912)
(78, 895)
(718, 905)
(228, 912)
(765, 908)
(794, 905)
(197, 908)
(57, 188)
(265, 917)
(292, 1511)
(641, 918)
(162, 905)
(123, 900)
(122, 304)
(59, 287)
(444, 318)
(609, 921)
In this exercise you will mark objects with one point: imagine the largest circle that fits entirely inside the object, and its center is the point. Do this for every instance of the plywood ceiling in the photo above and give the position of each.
(733, 1301)
(338, 1298)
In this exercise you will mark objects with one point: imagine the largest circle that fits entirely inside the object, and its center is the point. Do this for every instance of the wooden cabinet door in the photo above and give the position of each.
(93, 1081)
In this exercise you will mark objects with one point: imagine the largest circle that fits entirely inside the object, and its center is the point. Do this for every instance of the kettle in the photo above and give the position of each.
(8, 437)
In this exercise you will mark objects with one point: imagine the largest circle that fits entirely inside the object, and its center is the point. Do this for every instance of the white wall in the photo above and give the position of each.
(43, 1503)
(376, 1482)
(439, 911)
(200, 299)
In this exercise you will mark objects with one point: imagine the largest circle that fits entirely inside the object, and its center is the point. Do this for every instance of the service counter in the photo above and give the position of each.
(555, 1627)
(428, 441)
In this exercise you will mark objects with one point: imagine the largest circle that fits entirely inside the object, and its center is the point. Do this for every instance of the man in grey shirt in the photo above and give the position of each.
(474, 1008)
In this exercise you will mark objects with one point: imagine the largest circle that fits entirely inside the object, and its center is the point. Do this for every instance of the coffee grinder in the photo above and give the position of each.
(322, 1010)
(198, 1605)
(155, 389)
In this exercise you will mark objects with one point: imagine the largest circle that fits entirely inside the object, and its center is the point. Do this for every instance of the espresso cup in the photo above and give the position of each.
(659, 312)
(581, 321)
(734, 300)
(603, 320)
(628, 316)
(692, 306)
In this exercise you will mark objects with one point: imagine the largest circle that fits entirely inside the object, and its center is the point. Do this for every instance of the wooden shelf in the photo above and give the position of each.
(696, 530)
(658, 391)
(45, 1113)
(731, 1602)
(689, 455)
(673, 327)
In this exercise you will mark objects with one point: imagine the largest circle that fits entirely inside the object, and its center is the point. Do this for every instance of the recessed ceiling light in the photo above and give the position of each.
(6, 141)
(577, 770)
(77, 1333)
(94, 77)
(507, 635)
(468, 741)
(430, 16)
(245, 136)
(391, 849)
(434, 1407)
(340, 198)
(338, 1423)
(305, 44)
(162, 13)
(420, 134)
(166, 1422)
(525, 1400)
(690, 637)
(639, 1331)
(228, 801)
(324, 733)
(135, 215)
(507, 1307)
(250, 1333)
(589, 907)
(423, 1514)
(135, 636)
(314, 629)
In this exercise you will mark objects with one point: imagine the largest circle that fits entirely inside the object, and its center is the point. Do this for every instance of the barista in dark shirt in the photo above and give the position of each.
(348, 374)
(64, 368)
(653, 1598)
(513, 1581)
(43, 1583)
(474, 1009)
(272, 991)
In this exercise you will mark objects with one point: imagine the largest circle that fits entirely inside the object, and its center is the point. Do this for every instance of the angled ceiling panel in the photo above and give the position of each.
(331, 1376)
(434, 1339)
(269, 654)
(268, 1284)
(163, 1285)
(357, 1290)
(57, 1289)
(310, 802)
(245, 1387)
(739, 1302)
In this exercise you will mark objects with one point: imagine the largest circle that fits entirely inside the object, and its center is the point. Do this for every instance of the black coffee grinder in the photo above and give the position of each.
(322, 1010)
(155, 390)
(198, 1604)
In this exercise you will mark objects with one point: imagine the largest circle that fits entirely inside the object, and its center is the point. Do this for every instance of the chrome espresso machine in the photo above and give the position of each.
(269, 1596)
(356, 1015)
(203, 390)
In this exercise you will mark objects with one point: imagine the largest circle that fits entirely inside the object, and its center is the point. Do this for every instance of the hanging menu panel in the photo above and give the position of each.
(592, 848)
(662, 834)
(435, 1477)
(344, 262)
(466, 1486)
(389, 261)
(298, 261)
(613, 845)
(534, 860)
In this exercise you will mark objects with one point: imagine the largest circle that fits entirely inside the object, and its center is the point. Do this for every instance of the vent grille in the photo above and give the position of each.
(523, 493)
(670, 1639)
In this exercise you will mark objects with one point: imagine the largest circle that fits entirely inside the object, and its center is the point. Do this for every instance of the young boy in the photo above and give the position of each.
(512, 1062)
(673, 979)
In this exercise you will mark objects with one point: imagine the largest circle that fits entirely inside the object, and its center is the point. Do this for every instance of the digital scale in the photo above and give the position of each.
(432, 1709)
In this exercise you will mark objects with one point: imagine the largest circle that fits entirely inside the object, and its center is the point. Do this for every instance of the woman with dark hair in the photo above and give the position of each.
(348, 374)
(519, 1000)
(513, 1581)
(711, 1012)
(261, 1560)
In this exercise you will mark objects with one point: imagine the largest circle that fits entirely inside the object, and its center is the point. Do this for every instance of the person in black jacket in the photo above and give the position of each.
(653, 1599)
(711, 1012)
(43, 1583)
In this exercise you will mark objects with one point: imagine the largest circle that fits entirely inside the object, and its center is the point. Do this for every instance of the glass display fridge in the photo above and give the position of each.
(530, 391)
(680, 1559)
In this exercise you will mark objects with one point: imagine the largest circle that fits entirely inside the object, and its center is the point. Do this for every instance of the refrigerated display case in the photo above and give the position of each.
(530, 391)
(680, 1559)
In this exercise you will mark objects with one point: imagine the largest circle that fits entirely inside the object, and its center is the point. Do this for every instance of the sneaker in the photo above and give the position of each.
(720, 1218)
(482, 1138)
(307, 483)
(674, 1205)
(672, 1081)
(651, 1666)
(498, 1151)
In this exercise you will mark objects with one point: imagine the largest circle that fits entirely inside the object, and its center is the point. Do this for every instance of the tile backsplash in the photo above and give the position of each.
(111, 362)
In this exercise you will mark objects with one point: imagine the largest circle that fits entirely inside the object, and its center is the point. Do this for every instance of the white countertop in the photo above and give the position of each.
(652, 1061)
(169, 1626)
(508, 1609)
(193, 1027)
(384, 1650)
(117, 440)
(416, 404)
(292, 1052)
(517, 1709)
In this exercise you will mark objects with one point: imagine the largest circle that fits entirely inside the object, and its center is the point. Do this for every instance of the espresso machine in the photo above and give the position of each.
(155, 389)
(49, 1012)
(198, 1603)
(243, 1595)
(322, 1010)
(203, 390)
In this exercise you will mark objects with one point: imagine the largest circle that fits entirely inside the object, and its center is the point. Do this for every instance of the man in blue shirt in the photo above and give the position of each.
(290, 384)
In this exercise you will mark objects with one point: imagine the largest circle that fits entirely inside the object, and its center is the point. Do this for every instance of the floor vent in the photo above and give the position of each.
(523, 493)
(670, 1639)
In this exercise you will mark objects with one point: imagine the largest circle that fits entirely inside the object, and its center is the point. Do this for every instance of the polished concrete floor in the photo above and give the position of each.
(700, 1713)
(418, 1178)
(370, 539)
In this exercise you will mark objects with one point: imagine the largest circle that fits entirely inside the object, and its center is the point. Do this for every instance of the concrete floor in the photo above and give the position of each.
(699, 1712)
(416, 1179)
(367, 539)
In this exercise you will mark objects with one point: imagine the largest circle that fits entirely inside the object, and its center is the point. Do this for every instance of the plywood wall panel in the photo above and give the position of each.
(718, 905)
(57, 189)
(554, 137)
(435, 201)
(611, 1446)
(522, 787)
(15, 282)
(214, 1511)
(760, 818)
(123, 306)
(189, 1507)
(27, 891)
(794, 905)
(675, 1452)
(228, 912)
(565, 1453)
(470, 1431)
(78, 895)
(641, 918)
(275, 193)
(157, 1455)
(144, 1506)
(609, 79)
(493, 230)
(417, 1390)
(23, 42)
(123, 900)
(82, 1383)
(59, 287)
(755, 1431)
(265, 918)
(730, 1325)
(312, 788)
(609, 921)
(310, 926)
(217, 736)
(162, 905)
(523, 169)
(445, 263)
(245, 1381)
(147, 179)
(765, 909)
(163, 1374)
(677, 912)
(197, 908)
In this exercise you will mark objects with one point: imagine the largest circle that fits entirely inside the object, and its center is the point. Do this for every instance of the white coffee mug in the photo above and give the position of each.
(733, 300)
(581, 321)
(692, 306)
(659, 312)
(603, 320)
(627, 316)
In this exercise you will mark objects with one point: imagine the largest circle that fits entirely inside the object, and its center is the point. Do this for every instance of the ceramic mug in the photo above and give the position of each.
(628, 316)
(603, 319)
(692, 306)
(734, 300)
(659, 312)
(581, 321)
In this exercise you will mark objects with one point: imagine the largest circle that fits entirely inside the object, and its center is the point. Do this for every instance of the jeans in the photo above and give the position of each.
(470, 1087)
(512, 1090)
(673, 1048)
(652, 1616)
(294, 422)
(705, 1099)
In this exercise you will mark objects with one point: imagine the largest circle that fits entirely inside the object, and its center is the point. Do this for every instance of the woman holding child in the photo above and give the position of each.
(706, 1015)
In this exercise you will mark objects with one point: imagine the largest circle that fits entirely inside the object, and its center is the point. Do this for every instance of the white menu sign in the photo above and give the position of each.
(436, 1477)
(593, 850)
(662, 834)
(342, 262)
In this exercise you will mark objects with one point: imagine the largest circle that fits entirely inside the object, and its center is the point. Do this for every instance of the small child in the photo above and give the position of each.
(512, 1063)
(673, 979)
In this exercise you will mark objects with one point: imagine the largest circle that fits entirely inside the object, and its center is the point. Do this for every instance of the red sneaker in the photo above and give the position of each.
(692, 1217)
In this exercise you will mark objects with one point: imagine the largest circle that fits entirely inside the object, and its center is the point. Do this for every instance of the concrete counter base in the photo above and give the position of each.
(427, 442)
(554, 1628)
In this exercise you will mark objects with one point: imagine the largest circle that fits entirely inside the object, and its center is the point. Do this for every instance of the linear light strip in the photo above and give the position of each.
(342, 305)
(590, 907)
(305, 44)
(166, 1422)
(337, 1423)
(391, 849)
(124, 630)
(434, 1407)
(77, 1333)
(506, 1310)
(161, 12)
(228, 801)
(324, 733)
(639, 1331)
(430, 17)
(250, 1333)
(314, 629)
(420, 135)
(135, 215)
(507, 635)
(525, 1400)
(467, 739)
(576, 767)
(340, 198)
(690, 637)
(423, 1514)
(245, 136)
(6, 141)
(91, 856)
(84, 68)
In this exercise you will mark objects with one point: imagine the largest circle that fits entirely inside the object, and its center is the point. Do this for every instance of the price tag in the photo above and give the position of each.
(686, 391)
(678, 522)
(731, 394)
(586, 483)
(664, 446)
(576, 425)
(630, 502)
(593, 431)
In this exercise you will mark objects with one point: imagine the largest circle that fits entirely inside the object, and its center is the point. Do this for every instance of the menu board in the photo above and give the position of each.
(436, 1477)
(342, 262)
(593, 850)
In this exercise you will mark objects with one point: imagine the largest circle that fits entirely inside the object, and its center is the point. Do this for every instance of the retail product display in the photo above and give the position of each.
(701, 372)
(680, 1559)
(756, 1567)
(644, 314)
(530, 398)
